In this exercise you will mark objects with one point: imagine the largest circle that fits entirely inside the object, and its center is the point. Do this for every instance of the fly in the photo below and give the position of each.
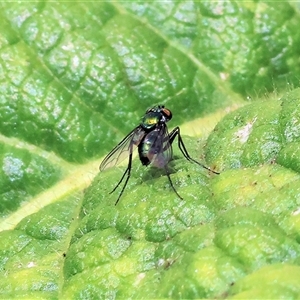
(154, 144)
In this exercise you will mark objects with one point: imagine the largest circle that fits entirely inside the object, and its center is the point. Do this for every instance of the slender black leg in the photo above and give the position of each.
(171, 183)
(128, 171)
(176, 132)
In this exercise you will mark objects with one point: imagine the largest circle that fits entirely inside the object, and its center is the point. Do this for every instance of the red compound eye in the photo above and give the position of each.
(167, 113)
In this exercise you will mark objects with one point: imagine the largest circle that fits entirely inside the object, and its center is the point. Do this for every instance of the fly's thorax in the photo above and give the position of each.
(150, 120)
(154, 116)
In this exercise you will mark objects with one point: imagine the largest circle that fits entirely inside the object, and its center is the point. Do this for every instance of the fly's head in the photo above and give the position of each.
(154, 116)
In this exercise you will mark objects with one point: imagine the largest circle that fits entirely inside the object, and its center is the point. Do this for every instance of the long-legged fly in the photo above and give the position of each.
(154, 144)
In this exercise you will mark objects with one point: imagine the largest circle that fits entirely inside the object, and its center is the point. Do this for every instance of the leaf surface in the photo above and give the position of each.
(76, 77)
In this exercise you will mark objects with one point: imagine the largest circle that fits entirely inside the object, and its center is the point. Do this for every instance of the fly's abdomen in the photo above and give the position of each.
(151, 150)
(144, 149)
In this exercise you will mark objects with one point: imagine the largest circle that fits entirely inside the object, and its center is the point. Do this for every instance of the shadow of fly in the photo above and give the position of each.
(154, 144)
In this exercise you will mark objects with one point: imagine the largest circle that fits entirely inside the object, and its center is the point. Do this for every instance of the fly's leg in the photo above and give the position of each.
(128, 170)
(176, 132)
(171, 183)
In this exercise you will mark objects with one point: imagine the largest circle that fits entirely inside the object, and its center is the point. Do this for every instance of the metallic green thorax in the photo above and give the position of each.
(154, 116)
(150, 120)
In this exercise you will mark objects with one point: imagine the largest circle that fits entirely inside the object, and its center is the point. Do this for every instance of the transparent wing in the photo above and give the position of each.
(123, 149)
(160, 149)
(167, 147)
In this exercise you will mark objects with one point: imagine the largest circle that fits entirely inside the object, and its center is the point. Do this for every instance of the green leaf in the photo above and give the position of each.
(76, 77)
